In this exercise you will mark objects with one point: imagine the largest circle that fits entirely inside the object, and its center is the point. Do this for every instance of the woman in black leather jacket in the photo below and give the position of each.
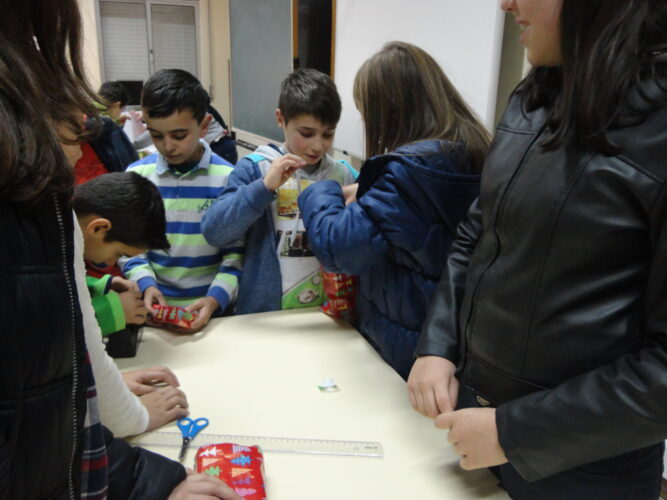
(51, 442)
(549, 327)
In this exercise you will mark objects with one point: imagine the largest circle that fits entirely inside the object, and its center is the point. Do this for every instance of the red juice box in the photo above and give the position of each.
(341, 295)
(241, 467)
(173, 316)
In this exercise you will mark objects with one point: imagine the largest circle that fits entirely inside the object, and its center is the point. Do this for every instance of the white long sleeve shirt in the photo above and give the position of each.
(120, 410)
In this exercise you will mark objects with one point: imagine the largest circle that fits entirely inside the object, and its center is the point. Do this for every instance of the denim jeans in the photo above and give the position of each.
(632, 476)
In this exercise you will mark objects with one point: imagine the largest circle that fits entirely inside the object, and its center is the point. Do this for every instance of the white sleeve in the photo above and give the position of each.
(120, 410)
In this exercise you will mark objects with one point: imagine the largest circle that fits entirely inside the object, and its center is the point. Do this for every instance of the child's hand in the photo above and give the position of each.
(204, 307)
(119, 284)
(164, 405)
(153, 295)
(350, 193)
(197, 486)
(281, 169)
(143, 381)
(133, 307)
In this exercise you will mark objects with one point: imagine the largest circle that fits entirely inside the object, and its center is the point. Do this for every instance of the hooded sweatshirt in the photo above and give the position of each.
(280, 270)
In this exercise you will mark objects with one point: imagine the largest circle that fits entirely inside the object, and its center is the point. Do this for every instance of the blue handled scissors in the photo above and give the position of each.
(189, 428)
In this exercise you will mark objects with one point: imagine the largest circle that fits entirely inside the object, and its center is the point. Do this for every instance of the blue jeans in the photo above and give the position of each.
(632, 476)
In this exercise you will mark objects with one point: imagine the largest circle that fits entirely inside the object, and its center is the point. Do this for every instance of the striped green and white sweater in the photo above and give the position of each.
(191, 268)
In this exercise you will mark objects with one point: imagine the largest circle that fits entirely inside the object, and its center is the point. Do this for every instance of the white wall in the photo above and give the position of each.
(464, 37)
(91, 54)
(220, 54)
(513, 64)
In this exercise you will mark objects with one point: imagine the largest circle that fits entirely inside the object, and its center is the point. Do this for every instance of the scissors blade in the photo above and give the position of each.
(184, 448)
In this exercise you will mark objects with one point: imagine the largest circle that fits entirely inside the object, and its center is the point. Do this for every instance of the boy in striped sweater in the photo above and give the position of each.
(193, 274)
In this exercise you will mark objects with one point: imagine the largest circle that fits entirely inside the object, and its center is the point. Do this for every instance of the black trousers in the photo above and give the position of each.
(632, 476)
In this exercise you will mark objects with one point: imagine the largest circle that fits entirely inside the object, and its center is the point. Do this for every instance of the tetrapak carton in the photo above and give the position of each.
(341, 295)
(173, 316)
(241, 467)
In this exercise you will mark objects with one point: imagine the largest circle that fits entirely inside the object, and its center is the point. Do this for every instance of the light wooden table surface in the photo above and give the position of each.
(259, 375)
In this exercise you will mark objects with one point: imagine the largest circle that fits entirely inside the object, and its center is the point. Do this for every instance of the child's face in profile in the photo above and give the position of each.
(103, 253)
(107, 253)
(307, 137)
(176, 136)
(114, 110)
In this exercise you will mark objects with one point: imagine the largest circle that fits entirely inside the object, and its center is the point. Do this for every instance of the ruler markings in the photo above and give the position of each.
(268, 443)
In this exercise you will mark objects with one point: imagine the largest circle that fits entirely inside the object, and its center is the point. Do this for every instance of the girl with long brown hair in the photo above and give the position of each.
(426, 151)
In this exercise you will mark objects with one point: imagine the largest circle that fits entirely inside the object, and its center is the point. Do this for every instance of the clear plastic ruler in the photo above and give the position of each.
(267, 443)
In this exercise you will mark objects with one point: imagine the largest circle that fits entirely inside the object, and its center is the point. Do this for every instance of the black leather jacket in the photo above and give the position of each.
(42, 378)
(553, 303)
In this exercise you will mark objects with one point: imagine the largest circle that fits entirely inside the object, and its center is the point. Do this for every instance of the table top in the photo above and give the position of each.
(259, 374)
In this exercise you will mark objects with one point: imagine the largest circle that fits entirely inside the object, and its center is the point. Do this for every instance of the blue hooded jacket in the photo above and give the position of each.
(395, 237)
(243, 210)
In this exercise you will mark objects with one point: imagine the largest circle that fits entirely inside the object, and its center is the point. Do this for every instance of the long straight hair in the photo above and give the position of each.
(404, 97)
(609, 48)
(42, 85)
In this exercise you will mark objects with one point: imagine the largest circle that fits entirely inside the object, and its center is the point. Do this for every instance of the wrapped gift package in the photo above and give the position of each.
(341, 295)
(241, 467)
(172, 316)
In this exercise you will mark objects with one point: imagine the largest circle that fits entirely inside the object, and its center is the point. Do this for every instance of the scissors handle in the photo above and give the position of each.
(198, 425)
(189, 428)
(184, 424)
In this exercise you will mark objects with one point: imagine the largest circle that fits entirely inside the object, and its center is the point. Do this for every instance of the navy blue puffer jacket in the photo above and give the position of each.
(395, 237)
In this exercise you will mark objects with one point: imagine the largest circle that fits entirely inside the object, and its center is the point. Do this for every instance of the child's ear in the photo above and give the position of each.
(98, 228)
(203, 126)
(280, 119)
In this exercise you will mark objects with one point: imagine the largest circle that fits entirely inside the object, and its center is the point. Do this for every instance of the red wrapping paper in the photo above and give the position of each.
(241, 467)
(341, 292)
(173, 316)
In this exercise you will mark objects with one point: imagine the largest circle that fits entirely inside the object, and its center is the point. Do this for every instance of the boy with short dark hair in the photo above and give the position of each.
(194, 274)
(259, 202)
(122, 214)
(116, 96)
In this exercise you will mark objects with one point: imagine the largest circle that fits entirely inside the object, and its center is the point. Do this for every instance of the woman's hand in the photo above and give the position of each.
(432, 386)
(474, 435)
